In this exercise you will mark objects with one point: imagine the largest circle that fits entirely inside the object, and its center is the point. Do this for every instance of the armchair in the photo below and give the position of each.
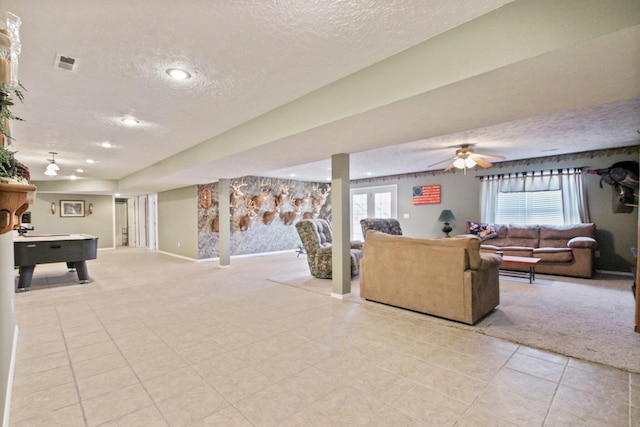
(316, 238)
(384, 225)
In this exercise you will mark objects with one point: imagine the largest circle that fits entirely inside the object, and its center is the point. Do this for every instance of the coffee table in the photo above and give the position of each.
(520, 261)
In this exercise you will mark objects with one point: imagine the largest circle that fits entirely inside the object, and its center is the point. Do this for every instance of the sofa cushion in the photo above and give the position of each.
(554, 254)
(523, 235)
(567, 232)
(558, 236)
(517, 251)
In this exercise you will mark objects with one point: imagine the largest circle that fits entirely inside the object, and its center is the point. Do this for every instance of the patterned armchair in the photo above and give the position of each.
(384, 225)
(316, 238)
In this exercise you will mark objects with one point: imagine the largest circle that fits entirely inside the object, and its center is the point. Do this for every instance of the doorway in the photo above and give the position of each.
(122, 222)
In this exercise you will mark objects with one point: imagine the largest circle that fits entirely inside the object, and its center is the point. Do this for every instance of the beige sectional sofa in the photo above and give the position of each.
(447, 278)
(566, 250)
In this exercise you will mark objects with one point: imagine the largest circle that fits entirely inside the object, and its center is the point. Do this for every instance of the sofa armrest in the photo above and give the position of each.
(583, 242)
(490, 261)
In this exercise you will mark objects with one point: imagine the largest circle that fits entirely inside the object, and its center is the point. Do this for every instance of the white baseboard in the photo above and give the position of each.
(12, 366)
(340, 296)
(178, 256)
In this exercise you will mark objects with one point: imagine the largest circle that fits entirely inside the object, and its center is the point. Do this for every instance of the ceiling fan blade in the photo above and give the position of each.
(481, 162)
(439, 163)
(449, 167)
(490, 156)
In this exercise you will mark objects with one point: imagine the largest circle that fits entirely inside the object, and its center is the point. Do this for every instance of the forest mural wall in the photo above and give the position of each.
(263, 214)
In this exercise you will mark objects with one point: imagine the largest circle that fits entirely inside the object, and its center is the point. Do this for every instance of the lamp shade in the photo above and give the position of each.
(446, 216)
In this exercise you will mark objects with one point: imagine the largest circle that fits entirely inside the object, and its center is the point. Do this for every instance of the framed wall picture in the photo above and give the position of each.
(72, 208)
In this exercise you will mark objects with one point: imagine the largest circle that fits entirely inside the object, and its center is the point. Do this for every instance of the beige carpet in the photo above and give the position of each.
(589, 319)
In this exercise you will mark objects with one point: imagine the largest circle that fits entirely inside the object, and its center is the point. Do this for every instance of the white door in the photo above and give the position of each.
(372, 202)
(152, 221)
(122, 228)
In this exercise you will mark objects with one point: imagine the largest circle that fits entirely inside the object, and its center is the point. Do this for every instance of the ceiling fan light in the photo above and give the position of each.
(53, 167)
(50, 172)
(459, 163)
(469, 162)
(178, 74)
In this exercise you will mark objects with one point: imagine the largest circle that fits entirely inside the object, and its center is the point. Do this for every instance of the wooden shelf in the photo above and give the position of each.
(14, 201)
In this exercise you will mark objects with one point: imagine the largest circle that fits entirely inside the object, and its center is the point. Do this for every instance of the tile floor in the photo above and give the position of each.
(159, 341)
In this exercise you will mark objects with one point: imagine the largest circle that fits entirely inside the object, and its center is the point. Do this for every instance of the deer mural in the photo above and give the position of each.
(236, 192)
(269, 215)
(318, 199)
(265, 192)
(294, 206)
(292, 209)
(245, 212)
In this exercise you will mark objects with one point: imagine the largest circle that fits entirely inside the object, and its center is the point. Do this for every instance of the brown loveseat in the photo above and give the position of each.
(566, 250)
(447, 278)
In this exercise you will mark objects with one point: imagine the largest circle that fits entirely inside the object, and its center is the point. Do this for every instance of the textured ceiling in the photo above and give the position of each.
(250, 57)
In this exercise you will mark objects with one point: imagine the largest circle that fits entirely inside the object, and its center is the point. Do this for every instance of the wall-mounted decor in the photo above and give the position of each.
(53, 208)
(72, 208)
(205, 197)
(426, 195)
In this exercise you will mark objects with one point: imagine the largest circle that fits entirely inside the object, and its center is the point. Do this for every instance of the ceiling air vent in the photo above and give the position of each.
(66, 63)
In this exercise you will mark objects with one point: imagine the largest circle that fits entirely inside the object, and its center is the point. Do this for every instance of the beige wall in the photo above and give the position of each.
(178, 222)
(461, 194)
(99, 224)
(7, 316)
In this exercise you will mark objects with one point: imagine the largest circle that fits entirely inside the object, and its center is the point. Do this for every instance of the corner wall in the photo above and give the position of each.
(616, 233)
(178, 222)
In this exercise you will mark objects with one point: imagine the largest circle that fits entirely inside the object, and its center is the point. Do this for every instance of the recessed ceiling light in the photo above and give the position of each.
(106, 144)
(80, 170)
(369, 174)
(90, 161)
(292, 174)
(130, 121)
(328, 178)
(178, 74)
(73, 177)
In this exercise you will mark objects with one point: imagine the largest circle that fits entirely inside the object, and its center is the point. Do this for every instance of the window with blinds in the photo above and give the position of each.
(530, 207)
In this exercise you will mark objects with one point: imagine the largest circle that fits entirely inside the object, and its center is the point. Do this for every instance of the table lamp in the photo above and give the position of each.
(446, 216)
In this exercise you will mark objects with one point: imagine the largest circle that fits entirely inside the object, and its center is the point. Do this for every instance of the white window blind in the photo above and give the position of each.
(530, 207)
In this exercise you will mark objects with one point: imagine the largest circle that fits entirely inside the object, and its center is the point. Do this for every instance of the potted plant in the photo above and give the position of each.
(11, 171)
(15, 191)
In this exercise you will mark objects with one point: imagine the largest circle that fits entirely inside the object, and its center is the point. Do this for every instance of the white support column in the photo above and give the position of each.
(340, 221)
(224, 212)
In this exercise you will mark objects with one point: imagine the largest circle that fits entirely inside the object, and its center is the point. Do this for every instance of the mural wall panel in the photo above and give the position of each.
(263, 214)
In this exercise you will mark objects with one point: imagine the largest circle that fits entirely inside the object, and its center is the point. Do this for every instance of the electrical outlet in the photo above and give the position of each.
(178, 244)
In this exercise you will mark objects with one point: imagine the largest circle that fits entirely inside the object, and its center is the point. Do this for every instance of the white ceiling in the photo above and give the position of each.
(250, 57)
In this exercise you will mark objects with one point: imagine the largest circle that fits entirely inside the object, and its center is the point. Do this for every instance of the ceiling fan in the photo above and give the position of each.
(466, 158)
